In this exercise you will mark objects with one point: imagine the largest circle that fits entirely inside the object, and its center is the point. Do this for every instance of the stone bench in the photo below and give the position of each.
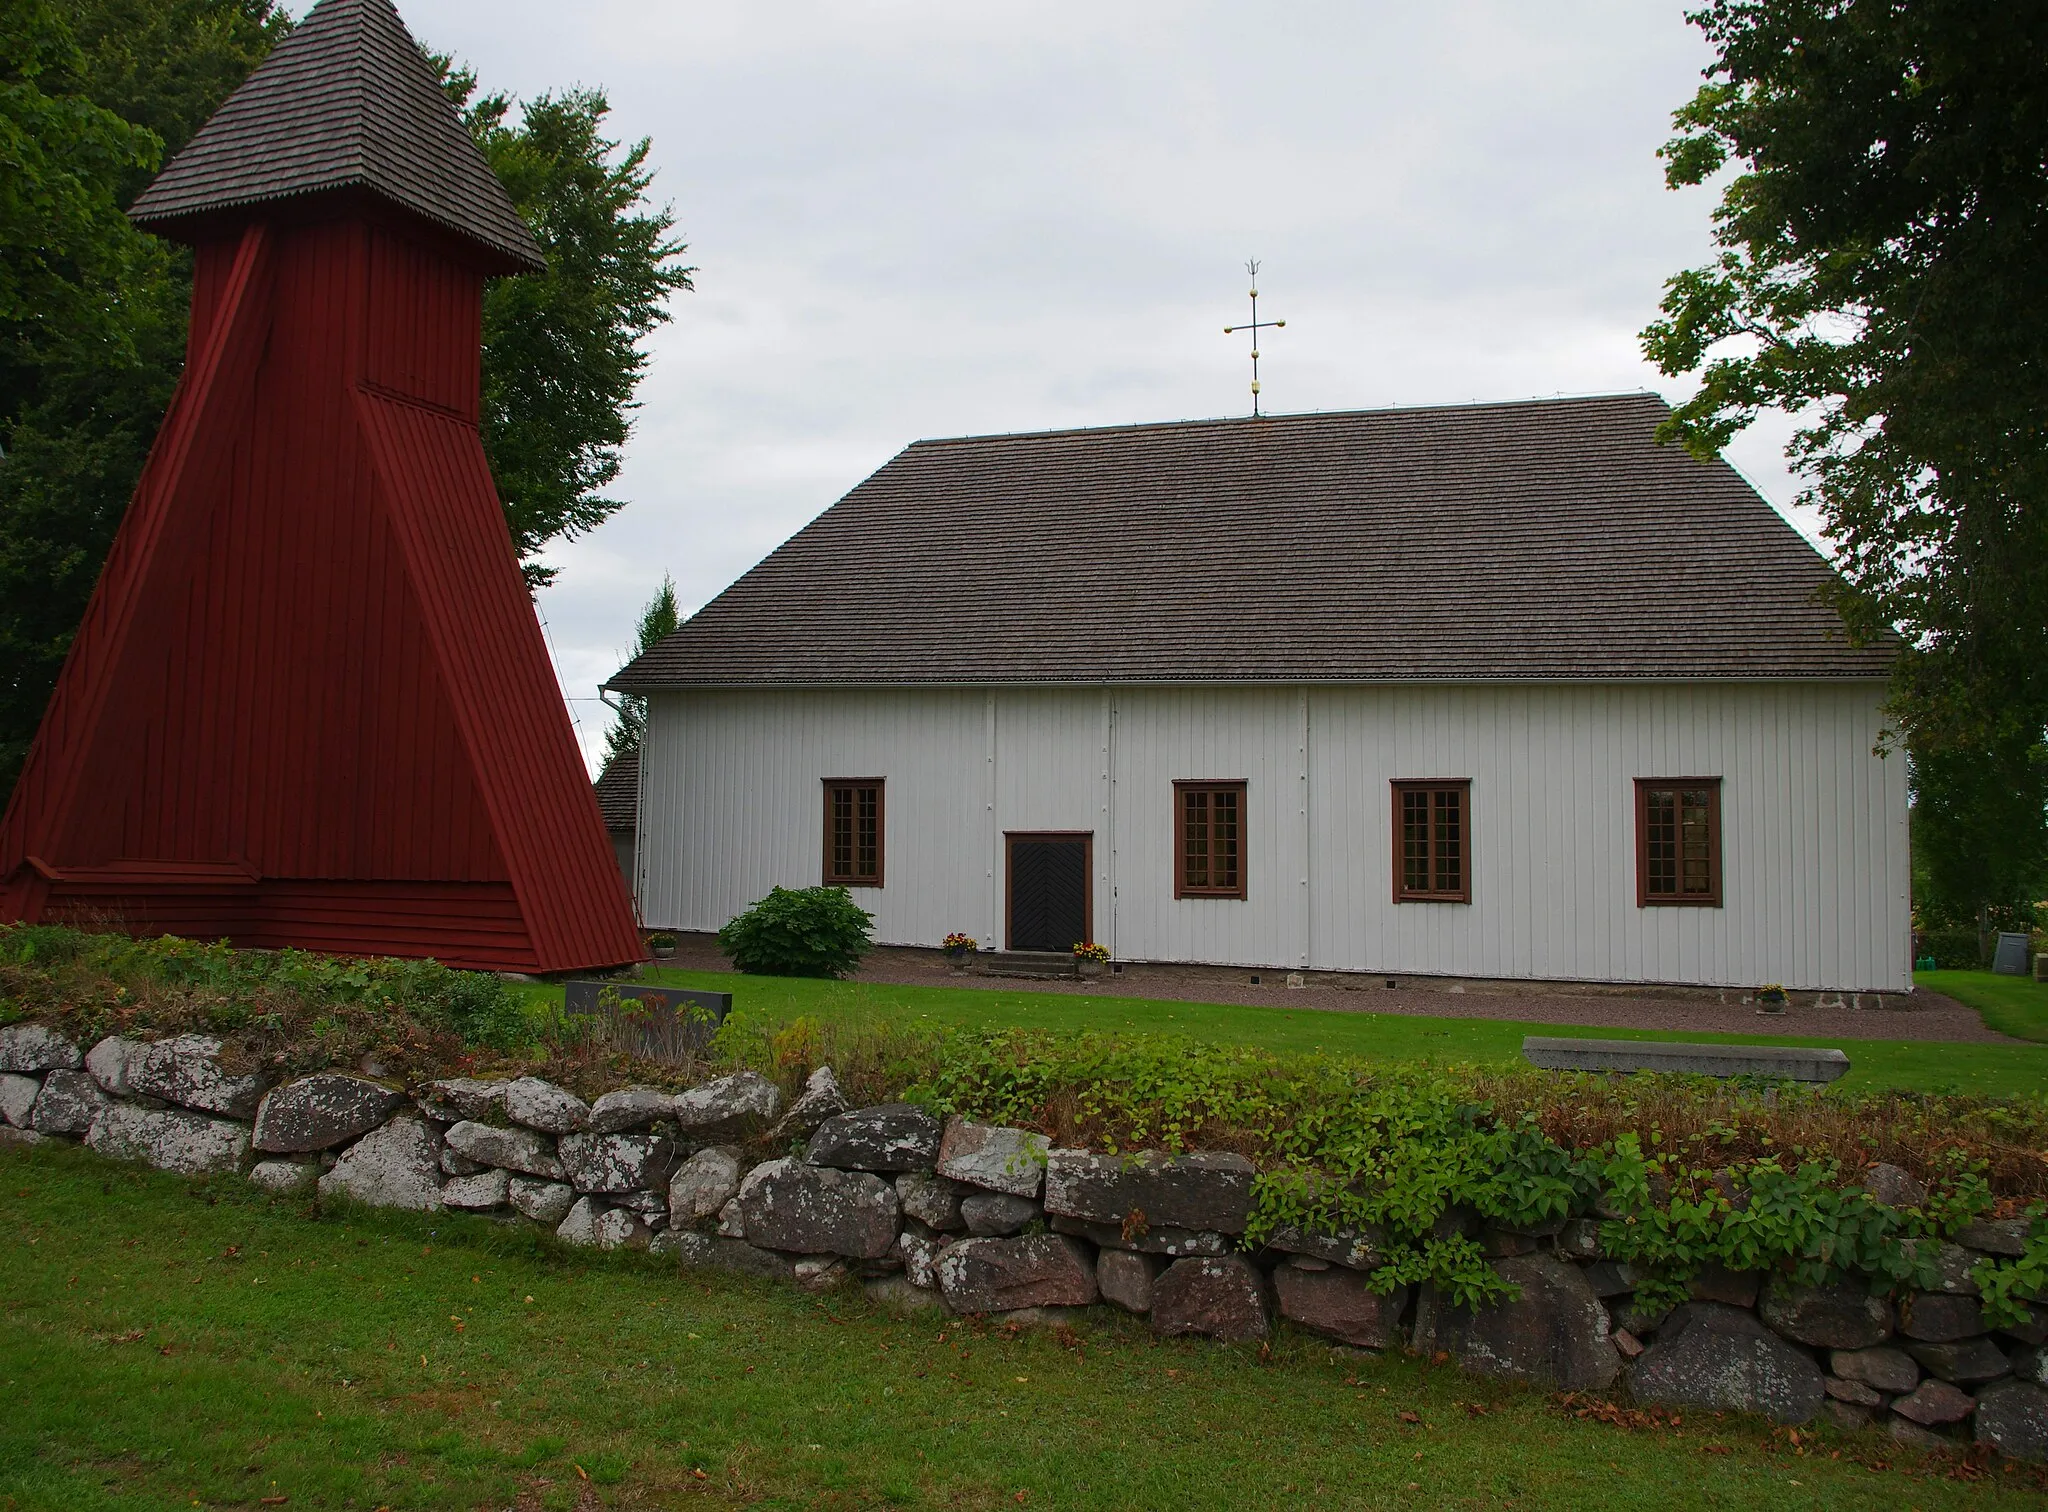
(1774, 1062)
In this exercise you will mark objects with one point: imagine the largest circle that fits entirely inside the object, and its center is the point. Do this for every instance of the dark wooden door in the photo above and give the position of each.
(1049, 892)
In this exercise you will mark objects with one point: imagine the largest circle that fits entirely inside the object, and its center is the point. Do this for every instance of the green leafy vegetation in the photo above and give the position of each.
(799, 932)
(166, 1342)
(658, 621)
(1990, 1070)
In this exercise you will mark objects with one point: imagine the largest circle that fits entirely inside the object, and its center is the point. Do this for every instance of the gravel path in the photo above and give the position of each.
(1920, 1015)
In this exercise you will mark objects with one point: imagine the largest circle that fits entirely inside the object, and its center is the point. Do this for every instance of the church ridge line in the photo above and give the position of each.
(1591, 397)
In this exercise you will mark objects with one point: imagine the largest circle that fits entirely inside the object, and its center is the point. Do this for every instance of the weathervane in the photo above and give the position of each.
(1255, 326)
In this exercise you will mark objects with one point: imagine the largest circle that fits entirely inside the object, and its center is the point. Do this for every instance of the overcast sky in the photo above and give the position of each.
(925, 219)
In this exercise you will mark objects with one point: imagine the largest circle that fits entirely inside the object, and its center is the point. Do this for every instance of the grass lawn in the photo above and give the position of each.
(170, 1344)
(2012, 1005)
(1998, 1070)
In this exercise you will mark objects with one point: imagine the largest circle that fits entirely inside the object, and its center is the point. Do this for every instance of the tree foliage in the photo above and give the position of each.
(658, 622)
(94, 96)
(1883, 241)
(562, 352)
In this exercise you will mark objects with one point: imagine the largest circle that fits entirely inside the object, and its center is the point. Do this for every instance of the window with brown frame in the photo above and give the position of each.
(1678, 842)
(1433, 841)
(1208, 839)
(853, 832)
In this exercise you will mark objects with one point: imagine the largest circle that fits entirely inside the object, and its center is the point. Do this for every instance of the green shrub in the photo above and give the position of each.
(808, 932)
(1952, 949)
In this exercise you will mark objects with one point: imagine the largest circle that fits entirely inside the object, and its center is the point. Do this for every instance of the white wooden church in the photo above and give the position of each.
(1497, 691)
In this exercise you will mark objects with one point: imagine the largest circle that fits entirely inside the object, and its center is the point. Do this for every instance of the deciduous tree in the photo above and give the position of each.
(1883, 236)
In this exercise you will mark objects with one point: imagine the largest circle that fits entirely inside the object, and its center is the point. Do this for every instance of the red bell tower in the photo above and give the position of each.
(309, 704)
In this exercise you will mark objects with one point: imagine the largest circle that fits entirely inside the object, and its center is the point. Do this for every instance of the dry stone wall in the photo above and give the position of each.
(975, 1219)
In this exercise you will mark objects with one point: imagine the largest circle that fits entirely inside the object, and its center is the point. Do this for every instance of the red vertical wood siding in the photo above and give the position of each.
(310, 704)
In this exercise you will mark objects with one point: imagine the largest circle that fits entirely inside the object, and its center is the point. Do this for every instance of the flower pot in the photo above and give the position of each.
(662, 952)
(1089, 968)
(960, 960)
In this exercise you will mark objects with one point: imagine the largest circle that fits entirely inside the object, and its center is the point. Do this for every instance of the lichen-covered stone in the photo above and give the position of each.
(996, 1215)
(1996, 1236)
(1884, 1367)
(630, 1108)
(900, 1295)
(1709, 1355)
(919, 1249)
(1827, 1317)
(693, 1250)
(932, 1200)
(170, 1139)
(616, 1162)
(12, 1138)
(820, 1099)
(457, 1098)
(1352, 1247)
(1125, 1278)
(1612, 1278)
(1216, 1296)
(18, 1096)
(593, 1225)
(544, 1106)
(321, 1111)
(455, 1163)
(1965, 1362)
(1730, 1288)
(703, 1184)
(1936, 1318)
(477, 1194)
(1847, 1416)
(186, 1070)
(792, 1205)
(541, 1200)
(523, 1150)
(889, 1138)
(1556, 1330)
(1145, 1238)
(69, 1102)
(1933, 1402)
(396, 1166)
(1854, 1392)
(32, 1049)
(993, 1157)
(1953, 1267)
(284, 1177)
(1338, 1303)
(2012, 1417)
(731, 1108)
(1209, 1191)
(1002, 1275)
(1893, 1186)
(108, 1063)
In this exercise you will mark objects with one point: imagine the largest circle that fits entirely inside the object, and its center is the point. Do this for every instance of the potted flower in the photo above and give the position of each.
(1089, 959)
(959, 948)
(662, 944)
(1770, 998)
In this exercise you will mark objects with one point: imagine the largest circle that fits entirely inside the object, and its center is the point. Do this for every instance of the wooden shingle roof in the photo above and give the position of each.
(618, 791)
(1551, 539)
(346, 101)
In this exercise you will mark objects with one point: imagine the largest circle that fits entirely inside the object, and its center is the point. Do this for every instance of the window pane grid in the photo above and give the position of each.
(1432, 838)
(853, 833)
(1680, 841)
(1209, 829)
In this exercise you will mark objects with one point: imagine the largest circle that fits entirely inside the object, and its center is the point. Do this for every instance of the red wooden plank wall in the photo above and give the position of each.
(312, 653)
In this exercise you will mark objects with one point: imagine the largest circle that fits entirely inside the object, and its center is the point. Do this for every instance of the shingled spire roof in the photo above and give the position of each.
(346, 101)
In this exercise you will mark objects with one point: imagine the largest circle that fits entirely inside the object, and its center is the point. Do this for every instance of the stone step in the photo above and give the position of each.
(1775, 1062)
(1039, 964)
